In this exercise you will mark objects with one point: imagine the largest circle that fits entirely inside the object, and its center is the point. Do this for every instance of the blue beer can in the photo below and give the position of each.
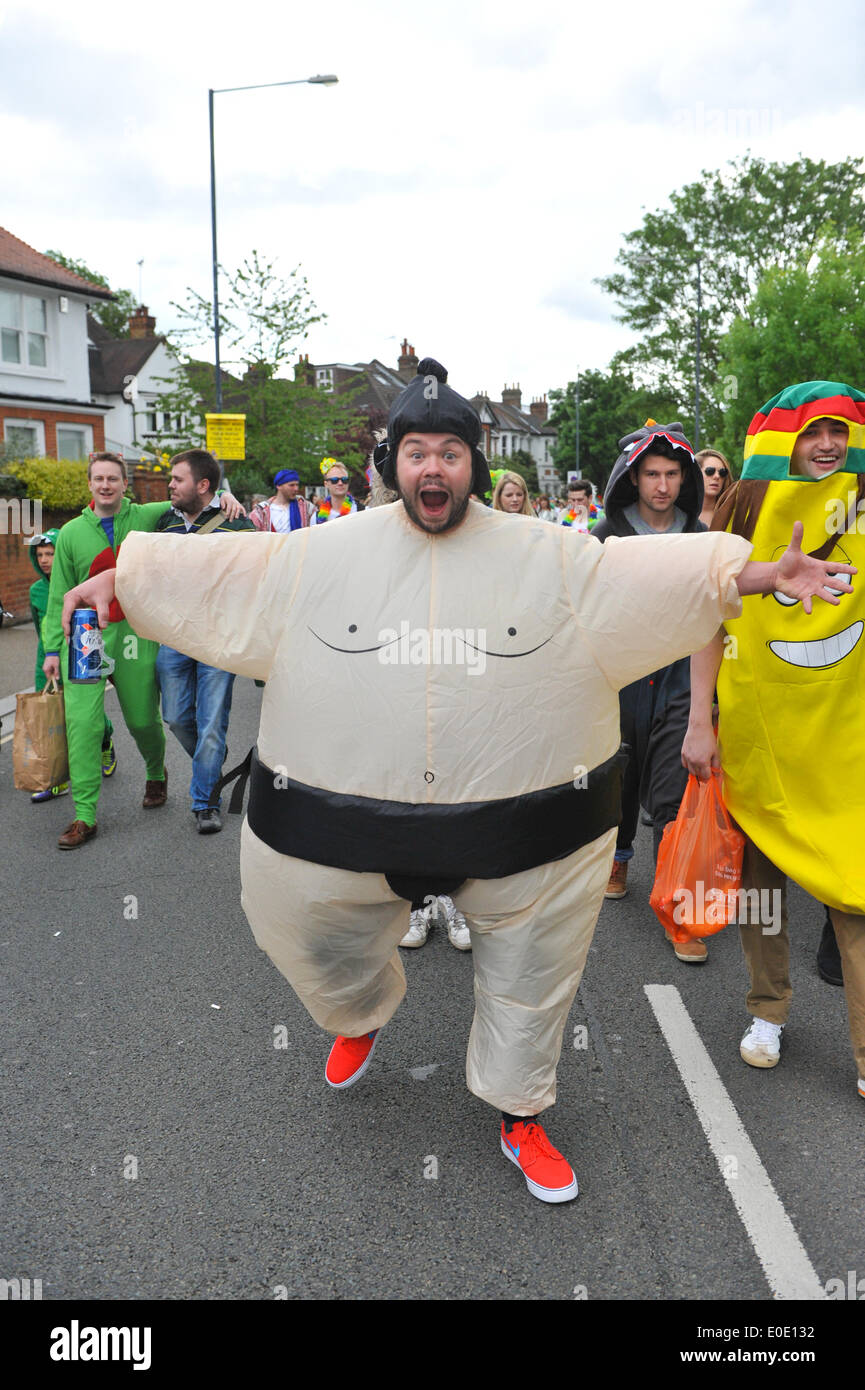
(85, 648)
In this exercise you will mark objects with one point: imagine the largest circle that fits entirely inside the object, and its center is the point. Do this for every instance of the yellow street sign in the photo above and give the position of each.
(226, 436)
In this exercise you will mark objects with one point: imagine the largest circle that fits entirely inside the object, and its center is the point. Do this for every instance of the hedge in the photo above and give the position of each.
(60, 483)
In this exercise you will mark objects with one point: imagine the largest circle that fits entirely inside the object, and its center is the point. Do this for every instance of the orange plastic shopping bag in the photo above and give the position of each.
(699, 873)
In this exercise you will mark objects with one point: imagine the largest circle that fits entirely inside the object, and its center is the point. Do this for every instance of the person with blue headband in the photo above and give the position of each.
(286, 510)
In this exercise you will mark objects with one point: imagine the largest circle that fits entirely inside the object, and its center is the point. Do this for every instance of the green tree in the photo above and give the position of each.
(738, 220)
(263, 319)
(521, 462)
(803, 324)
(113, 316)
(611, 406)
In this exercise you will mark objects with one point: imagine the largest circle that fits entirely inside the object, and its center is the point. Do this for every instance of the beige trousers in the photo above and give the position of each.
(768, 955)
(334, 935)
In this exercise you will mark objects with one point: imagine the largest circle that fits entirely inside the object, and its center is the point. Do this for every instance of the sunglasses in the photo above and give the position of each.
(336, 480)
(721, 472)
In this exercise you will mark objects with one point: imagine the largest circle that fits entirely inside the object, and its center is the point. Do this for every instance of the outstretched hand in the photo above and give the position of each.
(802, 577)
(93, 593)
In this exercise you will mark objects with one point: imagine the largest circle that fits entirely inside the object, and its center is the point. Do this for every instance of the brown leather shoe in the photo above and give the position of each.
(618, 884)
(155, 794)
(691, 952)
(76, 834)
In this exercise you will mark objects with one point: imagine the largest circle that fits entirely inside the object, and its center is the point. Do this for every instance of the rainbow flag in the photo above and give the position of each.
(773, 431)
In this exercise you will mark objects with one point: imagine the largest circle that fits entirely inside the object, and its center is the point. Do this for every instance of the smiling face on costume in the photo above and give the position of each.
(820, 449)
(434, 478)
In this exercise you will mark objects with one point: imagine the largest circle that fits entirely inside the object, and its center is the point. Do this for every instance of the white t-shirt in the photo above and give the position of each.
(280, 516)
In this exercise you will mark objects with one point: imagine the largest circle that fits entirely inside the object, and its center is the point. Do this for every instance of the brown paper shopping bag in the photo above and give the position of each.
(39, 755)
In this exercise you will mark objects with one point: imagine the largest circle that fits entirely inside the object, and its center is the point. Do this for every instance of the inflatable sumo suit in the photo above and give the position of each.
(441, 715)
(791, 733)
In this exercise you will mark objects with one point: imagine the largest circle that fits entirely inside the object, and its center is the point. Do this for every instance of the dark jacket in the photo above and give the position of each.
(654, 709)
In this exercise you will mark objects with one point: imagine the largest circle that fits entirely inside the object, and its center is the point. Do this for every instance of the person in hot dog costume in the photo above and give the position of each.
(480, 655)
(791, 734)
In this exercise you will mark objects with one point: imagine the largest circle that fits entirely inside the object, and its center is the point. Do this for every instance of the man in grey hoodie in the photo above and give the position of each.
(655, 489)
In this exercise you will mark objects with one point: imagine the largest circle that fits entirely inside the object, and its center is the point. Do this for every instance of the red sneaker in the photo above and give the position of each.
(548, 1175)
(349, 1059)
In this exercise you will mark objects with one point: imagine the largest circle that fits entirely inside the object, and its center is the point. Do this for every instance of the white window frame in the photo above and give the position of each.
(87, 431)
(24, 368)
(324, 378)
(10, 423)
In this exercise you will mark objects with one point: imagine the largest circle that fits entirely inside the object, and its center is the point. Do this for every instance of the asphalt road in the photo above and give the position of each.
(158, 1144)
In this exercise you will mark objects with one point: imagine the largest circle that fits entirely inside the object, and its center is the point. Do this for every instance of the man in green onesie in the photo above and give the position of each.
(86, 546)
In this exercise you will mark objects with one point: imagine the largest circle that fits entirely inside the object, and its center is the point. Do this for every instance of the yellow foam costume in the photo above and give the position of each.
(792, 731)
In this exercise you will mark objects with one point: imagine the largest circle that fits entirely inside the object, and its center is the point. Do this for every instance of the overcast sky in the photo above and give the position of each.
(465, 183)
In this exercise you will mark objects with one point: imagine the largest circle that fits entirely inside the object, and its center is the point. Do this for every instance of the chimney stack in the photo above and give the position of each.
(512, 396)
(539, 410)
(304, 370)
(408, 360)
(141, 324)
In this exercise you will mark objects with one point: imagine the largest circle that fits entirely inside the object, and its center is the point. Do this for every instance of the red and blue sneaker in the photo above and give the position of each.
(548, 1175)
(349, 1059)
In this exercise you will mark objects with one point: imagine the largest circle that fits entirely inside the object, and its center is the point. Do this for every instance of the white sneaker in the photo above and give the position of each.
(761, 1045)
(458, 933)
(418, 927)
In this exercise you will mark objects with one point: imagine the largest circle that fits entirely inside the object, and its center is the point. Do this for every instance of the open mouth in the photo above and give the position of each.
(817, 655)
(434, 500)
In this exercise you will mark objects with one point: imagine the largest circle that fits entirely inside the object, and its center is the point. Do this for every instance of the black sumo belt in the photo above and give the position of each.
(426, 849)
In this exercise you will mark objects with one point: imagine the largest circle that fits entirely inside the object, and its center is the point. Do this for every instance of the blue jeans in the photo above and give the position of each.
(196, 703)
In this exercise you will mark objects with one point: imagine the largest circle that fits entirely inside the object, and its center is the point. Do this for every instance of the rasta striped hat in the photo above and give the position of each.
(774, 430)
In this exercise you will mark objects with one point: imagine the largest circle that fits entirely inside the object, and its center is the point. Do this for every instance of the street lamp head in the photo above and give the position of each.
(328, 80)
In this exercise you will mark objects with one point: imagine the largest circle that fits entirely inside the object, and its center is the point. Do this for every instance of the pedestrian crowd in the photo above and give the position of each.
(607, 638)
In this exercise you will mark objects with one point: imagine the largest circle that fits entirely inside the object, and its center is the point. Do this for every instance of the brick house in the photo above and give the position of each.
(130, 376)
(507, 429)
(46, 403)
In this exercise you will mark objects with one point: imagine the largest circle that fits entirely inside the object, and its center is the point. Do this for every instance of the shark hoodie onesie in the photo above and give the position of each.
(654, 709)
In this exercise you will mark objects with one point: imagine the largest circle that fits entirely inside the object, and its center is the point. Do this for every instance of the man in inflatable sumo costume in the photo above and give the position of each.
(791, 732)
(480, 655)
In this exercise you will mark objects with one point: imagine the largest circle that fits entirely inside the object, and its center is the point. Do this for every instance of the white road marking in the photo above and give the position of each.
(768, 1227)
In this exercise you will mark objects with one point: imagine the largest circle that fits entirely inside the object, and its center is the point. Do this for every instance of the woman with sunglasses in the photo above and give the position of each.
(717, 479)
(339, 501)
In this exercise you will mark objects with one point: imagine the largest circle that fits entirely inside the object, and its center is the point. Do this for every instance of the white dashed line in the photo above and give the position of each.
(768, 1227)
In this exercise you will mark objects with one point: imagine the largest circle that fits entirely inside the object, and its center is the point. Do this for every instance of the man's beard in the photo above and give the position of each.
(460, 507)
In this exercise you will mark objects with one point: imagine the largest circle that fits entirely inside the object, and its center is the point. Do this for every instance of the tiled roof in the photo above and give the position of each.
(111, 361)
(509, 418)
(21, 262)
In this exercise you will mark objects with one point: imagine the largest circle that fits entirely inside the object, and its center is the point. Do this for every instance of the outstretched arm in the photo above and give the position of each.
(220, 599)
(796, 575)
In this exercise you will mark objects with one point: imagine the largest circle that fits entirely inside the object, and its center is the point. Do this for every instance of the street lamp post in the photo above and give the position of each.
(697, 358)
(326, 80)
(577, 422)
